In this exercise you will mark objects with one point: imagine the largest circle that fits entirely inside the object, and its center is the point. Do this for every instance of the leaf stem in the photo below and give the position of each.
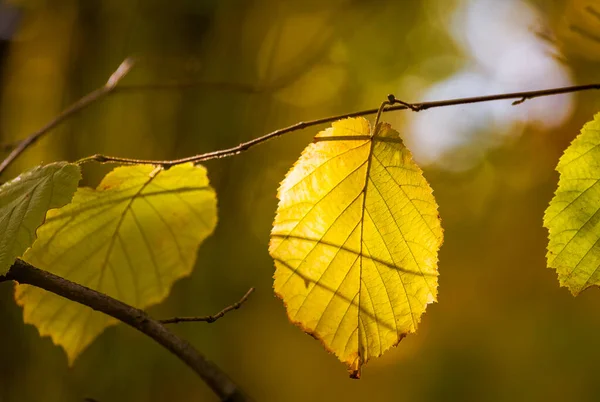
(209, 318)
(383, 105)
(395, 105)
(212, 375)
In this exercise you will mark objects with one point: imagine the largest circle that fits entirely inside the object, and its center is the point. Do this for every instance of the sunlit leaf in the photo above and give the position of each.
(573, 216)
(355, 241)
(24, 202)
(130, 238)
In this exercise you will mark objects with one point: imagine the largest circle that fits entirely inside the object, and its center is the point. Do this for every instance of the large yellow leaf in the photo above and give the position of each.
(130, 238)
(355, 241)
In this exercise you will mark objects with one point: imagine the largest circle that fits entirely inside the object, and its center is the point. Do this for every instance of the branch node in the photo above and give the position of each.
(99, 158)
(519, 101)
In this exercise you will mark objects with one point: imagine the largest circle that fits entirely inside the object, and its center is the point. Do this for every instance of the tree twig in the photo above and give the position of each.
(111, 86)
(209, 318)
(82, 103)
(19, 146)
(398, 105)
(212, 375)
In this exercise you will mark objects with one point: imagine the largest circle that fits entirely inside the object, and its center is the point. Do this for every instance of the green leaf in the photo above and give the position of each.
(355, 241)
(24, 202)
(130, 238)
(573, 216)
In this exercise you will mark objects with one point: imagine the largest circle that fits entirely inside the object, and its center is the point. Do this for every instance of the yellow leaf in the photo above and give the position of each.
(572, 216)
(130, 238)
(355, 241)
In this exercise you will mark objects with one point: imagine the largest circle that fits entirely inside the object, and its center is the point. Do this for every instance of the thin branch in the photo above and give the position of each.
(82, 103)
(111, 87)
(398, 105)
(209, 318)
(212, 375)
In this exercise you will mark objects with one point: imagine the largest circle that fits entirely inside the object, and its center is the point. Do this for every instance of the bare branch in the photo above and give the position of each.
(398, 105)
(212, 375)
(111, 87)
(82, 103)
(125, 67)
(209, 318)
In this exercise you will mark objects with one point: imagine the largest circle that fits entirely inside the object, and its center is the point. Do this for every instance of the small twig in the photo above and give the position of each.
(209, 318)
(212, 375)
(90, 98)
(110, 86)
(19, 146)
(399, 105)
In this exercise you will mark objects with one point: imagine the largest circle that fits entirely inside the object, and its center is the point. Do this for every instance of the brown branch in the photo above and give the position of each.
(212, 375)
(398, 105)
(209, 318)
(82, 103)
(19, 146)
(111, 87)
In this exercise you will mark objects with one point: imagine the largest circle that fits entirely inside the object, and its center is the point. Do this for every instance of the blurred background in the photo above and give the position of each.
(219, 72)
